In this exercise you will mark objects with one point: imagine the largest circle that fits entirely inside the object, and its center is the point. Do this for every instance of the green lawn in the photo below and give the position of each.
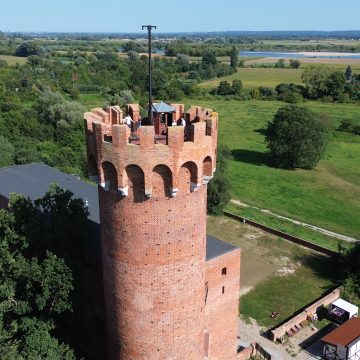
(91, 101)
(284, 295)
(287, 227)
(12, 60)
(328, 196)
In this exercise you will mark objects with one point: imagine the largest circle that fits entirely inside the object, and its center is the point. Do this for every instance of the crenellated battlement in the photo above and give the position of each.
(117, 156)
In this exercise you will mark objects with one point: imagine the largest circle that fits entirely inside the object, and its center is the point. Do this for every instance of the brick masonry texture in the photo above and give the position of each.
(222, 305)
(162, 299)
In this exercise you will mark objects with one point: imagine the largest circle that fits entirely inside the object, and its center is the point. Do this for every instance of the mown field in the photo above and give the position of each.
(12, 60)
(255, 77)
(271, 77)
(328, 196)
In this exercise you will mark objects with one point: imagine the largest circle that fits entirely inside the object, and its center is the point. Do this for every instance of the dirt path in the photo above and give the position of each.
(313, 227)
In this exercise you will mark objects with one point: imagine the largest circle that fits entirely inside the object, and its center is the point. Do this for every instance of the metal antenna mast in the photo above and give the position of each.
(150, 114)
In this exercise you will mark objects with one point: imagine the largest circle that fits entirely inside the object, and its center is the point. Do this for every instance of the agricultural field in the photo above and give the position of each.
(13, 60)
(328, 196)
(335, 63)
(271, 77)
(271, 271)
(255, 77)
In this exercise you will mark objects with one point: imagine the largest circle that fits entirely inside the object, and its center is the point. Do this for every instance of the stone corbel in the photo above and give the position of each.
(194, 186)
(206, 179)
(173, 191)
(124, 191)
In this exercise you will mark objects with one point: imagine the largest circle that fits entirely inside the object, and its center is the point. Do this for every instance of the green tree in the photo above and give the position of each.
(7, 152)
(35, 288)
(28, 48)
(46, 262)
(224, 88)
(294, 64)
(296, 138)
(209, 58)
(218, 191)
(349, 271)
(237, 87)
(234, 57)
(335, 84)
(315, 77)
(348, 73)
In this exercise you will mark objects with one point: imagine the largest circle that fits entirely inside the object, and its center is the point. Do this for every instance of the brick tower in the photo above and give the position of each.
(152, 195)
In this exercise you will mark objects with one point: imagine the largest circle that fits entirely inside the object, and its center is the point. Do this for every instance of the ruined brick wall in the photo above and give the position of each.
(222, 305)
(153, 233)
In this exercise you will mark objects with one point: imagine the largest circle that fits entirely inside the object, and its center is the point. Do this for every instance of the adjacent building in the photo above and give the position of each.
(344, 342)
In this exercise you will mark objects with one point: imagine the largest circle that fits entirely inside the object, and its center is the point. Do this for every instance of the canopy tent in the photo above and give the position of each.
(345, 306)
(341, 311)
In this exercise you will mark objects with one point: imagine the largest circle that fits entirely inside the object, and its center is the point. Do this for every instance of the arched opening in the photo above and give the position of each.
(207, 166)
(161, 181)
(92, 167)
(188, 175)
(136, 183)
(110, 175)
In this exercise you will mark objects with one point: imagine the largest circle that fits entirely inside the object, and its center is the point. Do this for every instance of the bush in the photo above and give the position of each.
(350, 126)
(292, 97)
(294, 64)
(296, 138)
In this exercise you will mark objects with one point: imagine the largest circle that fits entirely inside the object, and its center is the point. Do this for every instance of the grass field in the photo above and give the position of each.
(271, 77)
(91, 101)
(12, 60)
(255, 77)
(328, 196)
(271, 271)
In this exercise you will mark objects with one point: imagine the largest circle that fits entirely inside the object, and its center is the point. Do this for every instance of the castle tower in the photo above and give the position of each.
(152, 195)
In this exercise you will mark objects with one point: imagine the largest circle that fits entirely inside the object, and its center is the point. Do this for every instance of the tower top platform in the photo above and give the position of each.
(113, 146)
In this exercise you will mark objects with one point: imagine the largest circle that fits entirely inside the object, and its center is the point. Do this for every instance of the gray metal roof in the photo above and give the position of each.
(162, 108)
(33, 181)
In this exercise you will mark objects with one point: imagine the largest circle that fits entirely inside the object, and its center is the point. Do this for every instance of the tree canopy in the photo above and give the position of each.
(27, 48)
(42, 244)
(218, 191)
(296, 138)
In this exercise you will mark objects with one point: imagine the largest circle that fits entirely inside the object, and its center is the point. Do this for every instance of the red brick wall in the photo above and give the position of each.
(222, 305)
(153, 265)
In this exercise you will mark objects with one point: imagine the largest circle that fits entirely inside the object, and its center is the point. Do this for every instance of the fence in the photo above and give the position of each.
(281, 234)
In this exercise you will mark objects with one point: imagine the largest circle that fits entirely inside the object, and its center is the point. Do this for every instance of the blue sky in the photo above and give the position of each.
(178, 16)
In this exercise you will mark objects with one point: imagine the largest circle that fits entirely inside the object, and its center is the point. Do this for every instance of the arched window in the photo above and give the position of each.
(110, 175)
(161, 181)
(207, 166)
(92, 167)
(188, 176)
(136, 183)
